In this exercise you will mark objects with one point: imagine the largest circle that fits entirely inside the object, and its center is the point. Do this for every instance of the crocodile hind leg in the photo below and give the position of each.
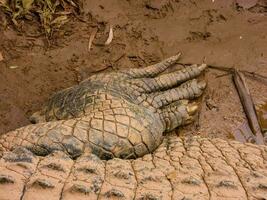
(117, 114)
(124, 130)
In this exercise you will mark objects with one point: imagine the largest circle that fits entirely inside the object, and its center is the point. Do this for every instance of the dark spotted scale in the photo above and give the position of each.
(119, 114)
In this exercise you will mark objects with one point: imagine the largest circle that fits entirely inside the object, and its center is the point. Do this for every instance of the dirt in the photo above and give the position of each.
(224, 33)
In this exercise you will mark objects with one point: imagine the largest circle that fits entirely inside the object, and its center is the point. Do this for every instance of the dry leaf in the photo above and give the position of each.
(13, 67)
(1, 57)
(60, 20)
(27, 4)
(110, 36)
(52, 13)
(92, 37)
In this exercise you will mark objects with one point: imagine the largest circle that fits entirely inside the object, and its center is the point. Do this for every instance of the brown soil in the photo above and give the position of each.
(222, 32)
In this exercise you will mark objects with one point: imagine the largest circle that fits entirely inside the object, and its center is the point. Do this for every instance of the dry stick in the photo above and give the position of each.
(258, 77)
(253, 75)
(248, 105)
(91, 38)
(245, 97)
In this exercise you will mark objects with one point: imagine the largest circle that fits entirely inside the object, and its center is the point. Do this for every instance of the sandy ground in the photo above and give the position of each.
(222, 32)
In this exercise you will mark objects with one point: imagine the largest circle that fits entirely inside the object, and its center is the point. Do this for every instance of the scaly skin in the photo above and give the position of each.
(124, 114)
(181, 168)
(119, 114)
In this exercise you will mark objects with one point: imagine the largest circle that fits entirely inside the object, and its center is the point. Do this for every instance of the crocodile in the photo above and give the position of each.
(110, 137)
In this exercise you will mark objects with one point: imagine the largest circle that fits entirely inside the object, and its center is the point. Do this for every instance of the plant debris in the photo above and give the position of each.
(231, 70)
(50, 14)
(262, 116)
(248, 105)
(91, 38)
(1, 57)
(13, 67)
(251, 131)
(110, 36)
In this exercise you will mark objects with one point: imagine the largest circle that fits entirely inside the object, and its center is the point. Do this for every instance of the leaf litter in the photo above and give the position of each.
(50, 14)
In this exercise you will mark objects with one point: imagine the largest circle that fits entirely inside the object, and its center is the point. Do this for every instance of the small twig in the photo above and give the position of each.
(248, 105)
(79, 18)
(222, 68)
(245, 97)
(103, 69)
(222, 75)
(244, 134)
(197, 121)
(92, 37)
(118, 59)
(253, 75)
(110, 36)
